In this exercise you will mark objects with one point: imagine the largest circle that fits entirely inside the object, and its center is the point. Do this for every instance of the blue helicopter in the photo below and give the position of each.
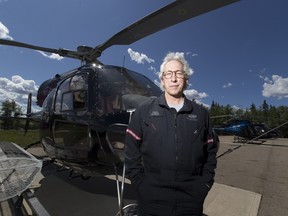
(246, 130)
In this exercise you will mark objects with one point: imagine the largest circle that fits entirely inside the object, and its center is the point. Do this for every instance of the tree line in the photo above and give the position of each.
(270, 115)
(10, 112)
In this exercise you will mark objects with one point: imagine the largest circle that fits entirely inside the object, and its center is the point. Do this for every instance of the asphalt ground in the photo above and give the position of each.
(260, 167)
(250, 178)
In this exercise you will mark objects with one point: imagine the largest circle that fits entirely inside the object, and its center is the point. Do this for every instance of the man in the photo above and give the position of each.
(170, 154)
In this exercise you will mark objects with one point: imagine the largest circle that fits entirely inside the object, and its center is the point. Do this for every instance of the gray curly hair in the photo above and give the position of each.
(178, 56)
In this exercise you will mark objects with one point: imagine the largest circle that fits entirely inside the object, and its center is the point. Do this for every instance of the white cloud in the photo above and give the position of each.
(4, 32)
(51, 56)
(277, 86)
(194, 94)
(227, 85)
(198, 97)
(17, 89)
(153, 69)
(192, 54)
(266, 79)
(140, 58)
(235, 108)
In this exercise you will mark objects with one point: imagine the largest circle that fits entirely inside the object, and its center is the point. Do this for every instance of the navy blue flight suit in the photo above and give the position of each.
(170, 157)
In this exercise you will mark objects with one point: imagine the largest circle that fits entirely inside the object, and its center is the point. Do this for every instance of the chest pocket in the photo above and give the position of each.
(193, 129)
(152, 134)
(153, 122)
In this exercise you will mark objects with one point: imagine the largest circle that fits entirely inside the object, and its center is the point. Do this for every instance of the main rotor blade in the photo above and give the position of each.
(61, 52)
(176, 12)
(19, 44)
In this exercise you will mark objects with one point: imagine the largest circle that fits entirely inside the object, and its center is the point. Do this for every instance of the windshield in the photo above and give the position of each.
(121, 89)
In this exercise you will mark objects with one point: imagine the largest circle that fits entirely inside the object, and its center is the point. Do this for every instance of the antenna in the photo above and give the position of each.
(123, 64)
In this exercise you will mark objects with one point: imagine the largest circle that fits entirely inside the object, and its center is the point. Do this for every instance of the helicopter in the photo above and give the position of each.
(79, 105)
(245, 130)
(85, 111)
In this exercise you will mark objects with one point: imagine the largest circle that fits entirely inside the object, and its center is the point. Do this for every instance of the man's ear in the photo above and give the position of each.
(162, 83)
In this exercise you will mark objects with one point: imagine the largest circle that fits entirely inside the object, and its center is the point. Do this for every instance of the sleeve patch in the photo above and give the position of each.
(133, 134)
(210, 141)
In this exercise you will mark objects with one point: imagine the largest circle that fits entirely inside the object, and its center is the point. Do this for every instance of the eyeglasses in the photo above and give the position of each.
(178, 74)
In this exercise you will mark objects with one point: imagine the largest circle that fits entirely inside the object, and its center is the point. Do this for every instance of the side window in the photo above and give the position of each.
(78, 86)
(67, 101)
(79, 99)
(72, 93)
(47, 104)
(60, 103)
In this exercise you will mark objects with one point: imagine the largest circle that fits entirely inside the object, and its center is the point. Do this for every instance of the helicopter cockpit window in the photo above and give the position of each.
(79, 87)
(72, 94)
(120, 89)
(47, 104)
(146, 84)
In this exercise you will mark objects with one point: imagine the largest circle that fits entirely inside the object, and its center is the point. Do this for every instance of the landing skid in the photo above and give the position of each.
(31, 145)
(238, 139)
(130, 209)
(117, 146)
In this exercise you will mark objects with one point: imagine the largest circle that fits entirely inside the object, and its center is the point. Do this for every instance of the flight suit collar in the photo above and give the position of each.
(187, 107)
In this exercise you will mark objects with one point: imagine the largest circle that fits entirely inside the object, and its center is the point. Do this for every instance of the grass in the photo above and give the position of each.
(18, 137)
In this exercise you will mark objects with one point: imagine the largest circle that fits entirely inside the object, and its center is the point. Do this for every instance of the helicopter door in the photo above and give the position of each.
(71, 102)
(115, 137)
(71, 135)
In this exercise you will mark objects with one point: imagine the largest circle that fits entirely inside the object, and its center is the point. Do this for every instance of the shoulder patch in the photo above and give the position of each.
(154, 113)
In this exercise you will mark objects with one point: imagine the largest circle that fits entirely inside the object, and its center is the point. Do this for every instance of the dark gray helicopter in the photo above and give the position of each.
(86, 110)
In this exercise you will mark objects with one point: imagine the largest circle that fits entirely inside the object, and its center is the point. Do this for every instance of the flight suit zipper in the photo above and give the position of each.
(176, 142)
(176, 161)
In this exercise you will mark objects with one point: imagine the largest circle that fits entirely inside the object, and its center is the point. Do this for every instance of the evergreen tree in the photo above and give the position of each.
(265, 112)
(10, 109)
(272, 116)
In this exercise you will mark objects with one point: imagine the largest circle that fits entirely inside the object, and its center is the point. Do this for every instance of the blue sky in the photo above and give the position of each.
(239, 53)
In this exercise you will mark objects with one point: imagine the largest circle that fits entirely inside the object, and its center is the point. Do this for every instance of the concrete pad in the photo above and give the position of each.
(225, 200)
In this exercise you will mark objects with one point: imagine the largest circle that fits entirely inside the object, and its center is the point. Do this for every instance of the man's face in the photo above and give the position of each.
(173, 79)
